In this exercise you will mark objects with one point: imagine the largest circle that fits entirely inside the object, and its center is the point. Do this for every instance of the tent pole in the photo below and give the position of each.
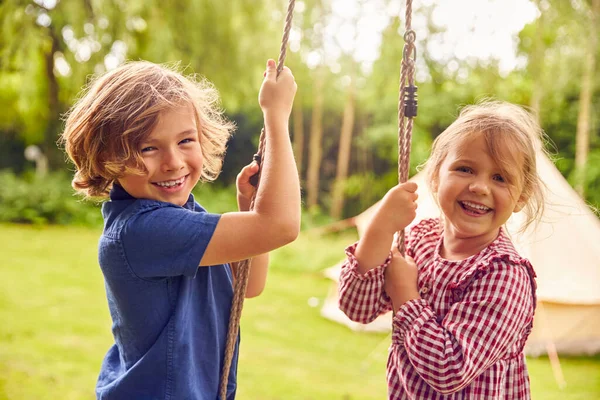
(551, 350)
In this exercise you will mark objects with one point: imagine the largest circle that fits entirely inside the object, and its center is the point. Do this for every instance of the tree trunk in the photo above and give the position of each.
(298, 143)
(315, 150)
(537, 63)
(337, 204)
(582, 140)
(50, 148)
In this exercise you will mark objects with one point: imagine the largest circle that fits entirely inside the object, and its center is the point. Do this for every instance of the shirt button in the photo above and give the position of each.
(424, 290)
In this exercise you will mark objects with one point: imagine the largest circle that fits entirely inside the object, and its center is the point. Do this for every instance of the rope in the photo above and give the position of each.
(407, 105)
(243, 267)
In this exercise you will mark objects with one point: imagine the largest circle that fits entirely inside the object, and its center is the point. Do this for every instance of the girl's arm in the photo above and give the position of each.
(395, 212)
(275, 220)
(478, 330)
(361, 296)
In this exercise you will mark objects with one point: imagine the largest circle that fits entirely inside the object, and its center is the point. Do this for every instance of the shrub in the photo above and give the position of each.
(49, 200)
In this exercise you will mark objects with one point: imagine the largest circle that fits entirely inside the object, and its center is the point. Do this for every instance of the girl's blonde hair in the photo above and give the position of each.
(510, 132)
(117, 112)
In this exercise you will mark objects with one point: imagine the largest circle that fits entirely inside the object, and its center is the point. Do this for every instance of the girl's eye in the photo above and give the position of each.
(187, 140)
(147, 149)
(499, 178)
(464, 169)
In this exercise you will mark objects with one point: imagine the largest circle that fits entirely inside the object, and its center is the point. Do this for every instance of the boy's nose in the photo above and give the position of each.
(172, 161)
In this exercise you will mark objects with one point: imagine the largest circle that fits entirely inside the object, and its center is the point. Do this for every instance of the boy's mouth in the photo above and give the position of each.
(171, 183)
(474, 208)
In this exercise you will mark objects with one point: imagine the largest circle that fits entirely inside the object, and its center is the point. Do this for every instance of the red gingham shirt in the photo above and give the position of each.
(464, 338)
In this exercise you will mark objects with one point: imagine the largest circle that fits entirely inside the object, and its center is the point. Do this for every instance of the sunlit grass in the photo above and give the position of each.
(56, 328)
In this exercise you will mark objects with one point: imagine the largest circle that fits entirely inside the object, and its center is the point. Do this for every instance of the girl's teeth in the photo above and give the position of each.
(475, 206)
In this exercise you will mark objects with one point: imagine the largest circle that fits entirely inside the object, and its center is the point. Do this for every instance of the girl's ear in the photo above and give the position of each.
(520, 203)
(434, 185)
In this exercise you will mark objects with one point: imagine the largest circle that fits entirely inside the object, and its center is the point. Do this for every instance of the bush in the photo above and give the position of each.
(48, 200)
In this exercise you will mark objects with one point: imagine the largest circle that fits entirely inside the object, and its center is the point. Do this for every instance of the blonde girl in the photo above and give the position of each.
(463, 299)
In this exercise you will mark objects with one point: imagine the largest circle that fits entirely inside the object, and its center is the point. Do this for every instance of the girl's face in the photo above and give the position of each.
(173, 158)
(476, 197)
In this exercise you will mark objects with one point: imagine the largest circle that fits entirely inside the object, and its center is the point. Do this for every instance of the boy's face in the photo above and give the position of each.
(173, 158)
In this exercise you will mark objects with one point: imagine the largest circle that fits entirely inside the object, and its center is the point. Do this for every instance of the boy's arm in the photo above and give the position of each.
(259, 265)
(258, 274)
(275, 219)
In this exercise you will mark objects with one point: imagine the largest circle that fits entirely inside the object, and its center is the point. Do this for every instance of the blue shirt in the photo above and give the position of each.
(170, 317)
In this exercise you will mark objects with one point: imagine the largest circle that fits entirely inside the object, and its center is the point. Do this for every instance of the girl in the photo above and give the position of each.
(463, 299)
(143, 136)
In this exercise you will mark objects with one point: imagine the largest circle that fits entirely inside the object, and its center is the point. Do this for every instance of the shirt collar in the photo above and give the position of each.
(119, 193)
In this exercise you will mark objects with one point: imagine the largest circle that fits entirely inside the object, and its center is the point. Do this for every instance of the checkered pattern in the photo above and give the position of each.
(464, 338)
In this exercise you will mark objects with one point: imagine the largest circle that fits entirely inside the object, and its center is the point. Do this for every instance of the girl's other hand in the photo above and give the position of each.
(245, 190)
(401, 279)
(277, 93)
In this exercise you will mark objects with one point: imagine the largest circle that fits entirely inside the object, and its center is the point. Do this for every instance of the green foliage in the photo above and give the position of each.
(228, 43)
(40, 200)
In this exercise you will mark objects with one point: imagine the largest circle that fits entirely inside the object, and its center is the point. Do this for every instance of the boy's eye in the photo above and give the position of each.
(186, 140)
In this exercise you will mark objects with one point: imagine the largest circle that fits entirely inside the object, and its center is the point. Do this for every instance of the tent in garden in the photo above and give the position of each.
(564, 249)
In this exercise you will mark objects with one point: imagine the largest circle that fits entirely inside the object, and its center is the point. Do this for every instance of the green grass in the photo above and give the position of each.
(55, 327)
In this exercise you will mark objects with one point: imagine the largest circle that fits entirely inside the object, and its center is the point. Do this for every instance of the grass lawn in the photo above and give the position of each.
(55, 327)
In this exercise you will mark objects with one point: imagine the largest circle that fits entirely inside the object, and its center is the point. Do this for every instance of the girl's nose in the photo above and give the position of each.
(479, 187)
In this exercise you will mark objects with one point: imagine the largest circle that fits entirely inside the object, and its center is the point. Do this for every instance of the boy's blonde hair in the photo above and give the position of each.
(510, 132)
(117, 112)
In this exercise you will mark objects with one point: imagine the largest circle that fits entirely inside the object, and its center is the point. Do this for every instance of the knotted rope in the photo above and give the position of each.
(243, 267)
(407, 105)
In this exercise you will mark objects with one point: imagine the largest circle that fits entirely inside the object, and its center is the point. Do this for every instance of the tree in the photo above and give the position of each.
(585, 97)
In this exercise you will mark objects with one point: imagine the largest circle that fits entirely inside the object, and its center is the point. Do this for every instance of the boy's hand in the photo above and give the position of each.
(245, 190)
(401, 279)
(397, 209)
(277, 93)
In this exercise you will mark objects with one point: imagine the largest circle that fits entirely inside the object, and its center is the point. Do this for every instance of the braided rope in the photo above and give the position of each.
(243, 267)
(405, 123)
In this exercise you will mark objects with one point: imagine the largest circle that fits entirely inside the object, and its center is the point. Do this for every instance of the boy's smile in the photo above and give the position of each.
(173, 158)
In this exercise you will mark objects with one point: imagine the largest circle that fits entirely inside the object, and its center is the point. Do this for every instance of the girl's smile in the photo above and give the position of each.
(474, 209)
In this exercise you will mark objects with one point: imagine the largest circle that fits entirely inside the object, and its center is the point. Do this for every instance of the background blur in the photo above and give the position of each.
(345, 55)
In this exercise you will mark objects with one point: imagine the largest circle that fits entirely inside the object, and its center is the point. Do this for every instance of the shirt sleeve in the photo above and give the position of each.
(167, 241)
(361, 296)
(477, 331)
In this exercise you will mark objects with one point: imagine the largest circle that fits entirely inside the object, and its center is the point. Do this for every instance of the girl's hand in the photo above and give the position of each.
(277, 93)
(397, 208)
(401, 279)
(245, 190)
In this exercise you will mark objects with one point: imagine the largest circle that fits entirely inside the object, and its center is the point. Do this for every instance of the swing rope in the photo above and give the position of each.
(243, 267)
(407, 105)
